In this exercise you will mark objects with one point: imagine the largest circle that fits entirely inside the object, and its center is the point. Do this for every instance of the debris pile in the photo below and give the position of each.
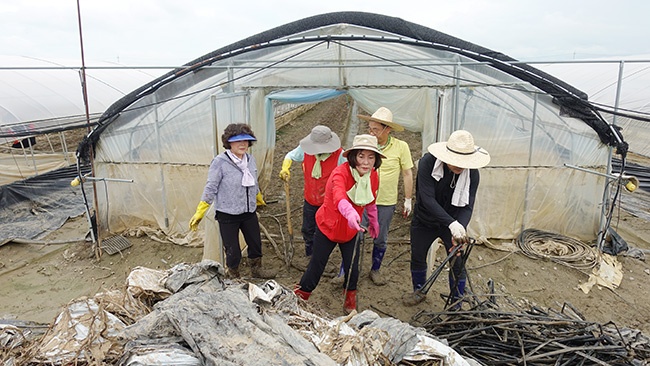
(536, 337)
(190, 315)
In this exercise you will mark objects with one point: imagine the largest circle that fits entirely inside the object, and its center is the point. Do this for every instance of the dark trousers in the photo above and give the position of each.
(308, 226)
(229, 227)
(421, 239)
(323, 247)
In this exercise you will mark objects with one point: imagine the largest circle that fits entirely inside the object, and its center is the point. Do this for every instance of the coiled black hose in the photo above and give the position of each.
(558, 248)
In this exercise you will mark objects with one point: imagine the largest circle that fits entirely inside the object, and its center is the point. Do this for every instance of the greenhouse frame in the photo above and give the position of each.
(545, 139)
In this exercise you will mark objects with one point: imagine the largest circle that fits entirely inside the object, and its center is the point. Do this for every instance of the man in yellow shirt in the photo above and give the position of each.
(398, 162)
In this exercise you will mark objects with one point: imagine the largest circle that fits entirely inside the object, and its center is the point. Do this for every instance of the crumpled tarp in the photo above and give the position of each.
(223, 327)
(84, 330)
(608, 273)
(198, 318)
(233, 324)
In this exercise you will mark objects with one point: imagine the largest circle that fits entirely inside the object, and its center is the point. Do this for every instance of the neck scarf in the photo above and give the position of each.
(361, 193)
(460, 198)
(316, 171)
(247, 179)
(382, 147)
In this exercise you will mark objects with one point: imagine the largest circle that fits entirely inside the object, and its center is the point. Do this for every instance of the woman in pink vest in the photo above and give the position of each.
(351, 188)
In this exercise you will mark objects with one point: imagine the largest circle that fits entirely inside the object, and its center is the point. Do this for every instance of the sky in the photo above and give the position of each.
(174, 32)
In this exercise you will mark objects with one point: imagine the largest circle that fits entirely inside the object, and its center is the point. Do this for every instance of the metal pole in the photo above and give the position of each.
(456, 97)
(163, 190)
(92, 165)
(524, 220)
(606, 190)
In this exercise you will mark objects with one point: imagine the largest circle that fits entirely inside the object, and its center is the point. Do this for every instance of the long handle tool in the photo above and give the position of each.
(288, 247)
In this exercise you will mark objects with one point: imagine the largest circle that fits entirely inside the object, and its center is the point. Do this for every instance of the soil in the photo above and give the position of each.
(37, 280)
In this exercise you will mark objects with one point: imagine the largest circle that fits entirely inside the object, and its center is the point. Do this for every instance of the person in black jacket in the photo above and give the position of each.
(445, 189)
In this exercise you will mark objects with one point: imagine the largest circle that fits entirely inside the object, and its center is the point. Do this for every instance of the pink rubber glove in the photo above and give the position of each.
(346, 209)
(373, 223)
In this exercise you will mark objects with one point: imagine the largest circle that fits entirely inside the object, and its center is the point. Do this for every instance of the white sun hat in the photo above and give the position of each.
(364, 142)
(459, 150)
(384, 116)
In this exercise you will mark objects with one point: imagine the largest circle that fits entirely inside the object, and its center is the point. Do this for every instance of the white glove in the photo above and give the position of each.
(407, 207)
(457, 231)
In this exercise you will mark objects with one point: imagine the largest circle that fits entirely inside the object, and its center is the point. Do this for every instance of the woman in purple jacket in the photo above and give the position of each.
(232, 186)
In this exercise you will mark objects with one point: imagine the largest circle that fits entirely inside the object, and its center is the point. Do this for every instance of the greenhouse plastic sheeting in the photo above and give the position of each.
(165, 139)
(32, 208)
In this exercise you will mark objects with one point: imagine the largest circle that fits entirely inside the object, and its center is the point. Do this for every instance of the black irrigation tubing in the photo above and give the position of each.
(580, 256)
(535, 337)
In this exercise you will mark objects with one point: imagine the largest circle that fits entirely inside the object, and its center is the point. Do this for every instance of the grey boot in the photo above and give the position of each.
(377, 258)
(258, 271)
(377, 278)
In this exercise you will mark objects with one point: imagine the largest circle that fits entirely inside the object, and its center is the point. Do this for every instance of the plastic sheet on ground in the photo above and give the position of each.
(609, 273)
(159, 353)
(82, 331)
(198, 318)
(32, 208)
(249, 324)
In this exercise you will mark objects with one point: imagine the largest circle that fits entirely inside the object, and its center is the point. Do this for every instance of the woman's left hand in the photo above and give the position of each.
(373, 220)
(373, 229)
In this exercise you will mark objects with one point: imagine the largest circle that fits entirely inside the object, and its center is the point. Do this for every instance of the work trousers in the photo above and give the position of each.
(422, 237)
(229, 227)
(384, 217)
(308, 226)
(323, 248)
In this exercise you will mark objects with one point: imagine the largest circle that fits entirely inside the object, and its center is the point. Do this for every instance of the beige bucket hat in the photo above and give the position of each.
(384, 116)
(459, 150)
(321, 140)
(364, 142)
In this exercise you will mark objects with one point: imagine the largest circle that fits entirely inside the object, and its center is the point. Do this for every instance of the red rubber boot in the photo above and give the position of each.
(350, 301)
(301, 294)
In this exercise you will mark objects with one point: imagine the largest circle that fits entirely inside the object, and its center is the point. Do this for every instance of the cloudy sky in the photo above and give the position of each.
(173, 32)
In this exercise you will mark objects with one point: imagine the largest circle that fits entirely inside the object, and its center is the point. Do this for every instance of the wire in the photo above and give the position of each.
(215, 86)
(558, 248)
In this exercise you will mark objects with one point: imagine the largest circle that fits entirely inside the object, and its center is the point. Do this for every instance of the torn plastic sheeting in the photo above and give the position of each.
(144, 281)
(223, 327)
(185, 274)
(159, 354)
(265, 293)
(81, 327)
(407, 342)
(32, 208)
(10, 337)
(609, 273)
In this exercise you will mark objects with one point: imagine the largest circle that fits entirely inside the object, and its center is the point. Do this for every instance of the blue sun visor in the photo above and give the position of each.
(242, 137)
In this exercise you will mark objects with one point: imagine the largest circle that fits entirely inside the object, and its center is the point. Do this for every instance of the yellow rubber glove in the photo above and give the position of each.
(284, 172)
(198, 215)
(259, 199)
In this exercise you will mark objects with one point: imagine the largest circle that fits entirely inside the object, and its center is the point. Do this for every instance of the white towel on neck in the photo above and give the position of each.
(247, 179)
(460, 198)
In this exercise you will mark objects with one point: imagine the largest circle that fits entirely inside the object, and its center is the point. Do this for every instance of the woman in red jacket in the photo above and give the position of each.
(351, 188)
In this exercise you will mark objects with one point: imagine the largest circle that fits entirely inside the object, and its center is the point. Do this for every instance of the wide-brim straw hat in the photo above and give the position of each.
(364, 142)
(459, 150)
(384, 116)
(321, 140)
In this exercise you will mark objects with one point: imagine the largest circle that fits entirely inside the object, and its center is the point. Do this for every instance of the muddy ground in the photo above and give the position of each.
(37, 280)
